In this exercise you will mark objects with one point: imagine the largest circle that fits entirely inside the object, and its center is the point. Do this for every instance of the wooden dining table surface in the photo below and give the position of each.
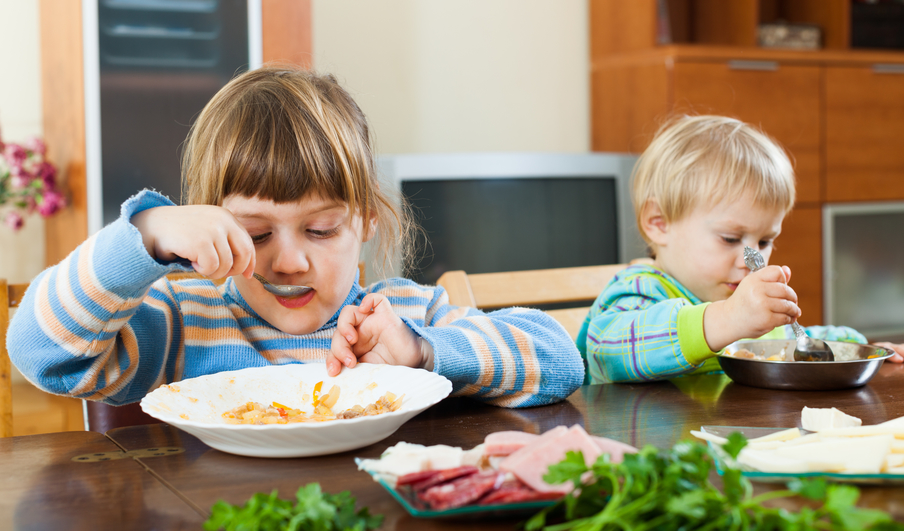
(177, 485)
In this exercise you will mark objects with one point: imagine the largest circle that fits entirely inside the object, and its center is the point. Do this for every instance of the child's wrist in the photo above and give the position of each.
(426, 354)
(715, 328)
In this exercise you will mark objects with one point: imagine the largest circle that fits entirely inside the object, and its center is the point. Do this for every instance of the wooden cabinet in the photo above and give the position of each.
(838, 111)
(864, 127)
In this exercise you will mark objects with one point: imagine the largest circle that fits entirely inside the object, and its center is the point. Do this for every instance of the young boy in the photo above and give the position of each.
(706, 187)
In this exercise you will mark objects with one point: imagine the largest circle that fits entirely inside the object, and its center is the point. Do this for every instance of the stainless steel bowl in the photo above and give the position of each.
(852, 367)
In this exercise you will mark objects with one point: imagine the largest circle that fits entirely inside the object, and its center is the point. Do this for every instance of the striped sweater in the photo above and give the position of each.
(646, 326)
(106, 324)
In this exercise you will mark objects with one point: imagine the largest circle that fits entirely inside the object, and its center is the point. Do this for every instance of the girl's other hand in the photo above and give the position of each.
(762, 302)
(209, 237)
(372, 333)
(898, 349)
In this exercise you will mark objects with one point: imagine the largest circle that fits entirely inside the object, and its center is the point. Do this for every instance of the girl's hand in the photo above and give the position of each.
(898, 348)
(209, 237)
(762, 302)
(372, 333)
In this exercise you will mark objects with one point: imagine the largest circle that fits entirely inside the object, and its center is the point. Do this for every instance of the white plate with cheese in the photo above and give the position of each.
(834, 446)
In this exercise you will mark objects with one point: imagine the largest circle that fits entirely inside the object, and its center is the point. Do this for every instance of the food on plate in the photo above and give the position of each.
(508, 467)
(276, 413)
(818, 418)
(743, 353)
(876, 449)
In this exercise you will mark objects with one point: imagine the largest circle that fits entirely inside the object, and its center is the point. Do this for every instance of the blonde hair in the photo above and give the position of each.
(699, 161)
(281, 133)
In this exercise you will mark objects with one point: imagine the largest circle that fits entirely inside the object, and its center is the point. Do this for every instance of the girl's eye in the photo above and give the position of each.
(260, 238)
(324, 233)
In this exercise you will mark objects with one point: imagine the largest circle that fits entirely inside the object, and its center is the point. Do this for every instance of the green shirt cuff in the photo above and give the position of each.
(690, 334)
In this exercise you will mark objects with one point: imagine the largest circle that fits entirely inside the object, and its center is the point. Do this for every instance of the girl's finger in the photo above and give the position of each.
(224, 255)
(207, 261)
(242, 253)
(340, 354)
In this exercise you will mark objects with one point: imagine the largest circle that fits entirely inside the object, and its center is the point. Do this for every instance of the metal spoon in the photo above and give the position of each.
(282, 290)
(808, 348)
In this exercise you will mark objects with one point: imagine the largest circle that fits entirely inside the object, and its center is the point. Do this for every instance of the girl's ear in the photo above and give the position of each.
(653, 223)
(370, 227)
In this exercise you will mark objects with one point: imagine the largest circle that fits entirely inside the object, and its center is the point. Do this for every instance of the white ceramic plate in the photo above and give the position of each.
(196, 405)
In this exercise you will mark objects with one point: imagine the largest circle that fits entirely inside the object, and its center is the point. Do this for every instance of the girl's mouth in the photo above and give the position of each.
(296, 302)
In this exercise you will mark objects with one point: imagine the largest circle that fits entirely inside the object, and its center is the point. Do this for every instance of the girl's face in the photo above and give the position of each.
(313, 242)
(705, 250)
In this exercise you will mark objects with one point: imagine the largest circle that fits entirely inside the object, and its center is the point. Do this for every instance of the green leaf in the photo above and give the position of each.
(569, 469)
(736, 442)
(841, 497)
(812, 489)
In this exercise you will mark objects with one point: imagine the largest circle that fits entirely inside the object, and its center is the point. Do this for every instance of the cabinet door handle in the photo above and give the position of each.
(888, 68)
(740, 64)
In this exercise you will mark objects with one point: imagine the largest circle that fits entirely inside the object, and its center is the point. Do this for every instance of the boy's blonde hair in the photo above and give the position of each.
(282, 133)
(699, 161)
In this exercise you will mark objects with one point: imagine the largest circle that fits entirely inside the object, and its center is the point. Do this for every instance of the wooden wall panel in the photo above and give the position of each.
(730, 23)
(64, 121)
(864, 134)
(800, 247)
(617, 127)
(287, 32)
(635, 28)
(751, 96)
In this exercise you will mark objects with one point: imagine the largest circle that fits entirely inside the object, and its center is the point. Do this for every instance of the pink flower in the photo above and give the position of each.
(51, 203)
(14, 221)
(48, 174)
(15, 154)
(37, 145)
(19, 181)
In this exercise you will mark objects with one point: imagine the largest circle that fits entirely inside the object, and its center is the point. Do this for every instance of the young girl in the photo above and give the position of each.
(279, 179)
(706, 187)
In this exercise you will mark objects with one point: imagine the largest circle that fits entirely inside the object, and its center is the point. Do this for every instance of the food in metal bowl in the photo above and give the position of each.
(763, 365)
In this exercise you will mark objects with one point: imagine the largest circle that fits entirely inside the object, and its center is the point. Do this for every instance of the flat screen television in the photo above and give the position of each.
(490, 212)
(863, 256)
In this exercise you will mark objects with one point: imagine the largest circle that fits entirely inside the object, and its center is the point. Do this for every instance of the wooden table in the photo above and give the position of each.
(656, 413)
(80, 480)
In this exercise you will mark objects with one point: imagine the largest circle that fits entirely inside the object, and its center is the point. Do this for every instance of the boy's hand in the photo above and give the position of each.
(209, 237)
(896, 347)
(762, 302)
(372, 333)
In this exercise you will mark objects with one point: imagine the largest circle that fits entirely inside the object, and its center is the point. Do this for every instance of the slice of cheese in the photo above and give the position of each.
(818, 419)
(784, 435)
(893, 422)
(864, 431)
(894, 461)
(706, 436)
(767, 461)
(861, 455)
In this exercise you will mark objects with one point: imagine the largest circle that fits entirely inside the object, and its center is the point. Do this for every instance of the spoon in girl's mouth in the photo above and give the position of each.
(282, 290)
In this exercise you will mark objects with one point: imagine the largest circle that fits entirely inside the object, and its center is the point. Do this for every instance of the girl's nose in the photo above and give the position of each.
(290, 258)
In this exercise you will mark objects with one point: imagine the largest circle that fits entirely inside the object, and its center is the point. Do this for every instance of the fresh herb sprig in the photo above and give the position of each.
(670, 490)
(314, 510)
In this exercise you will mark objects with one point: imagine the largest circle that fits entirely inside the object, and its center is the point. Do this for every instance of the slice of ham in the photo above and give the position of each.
(615, 449)
(507, 442)
(531, 463)
(514, 491)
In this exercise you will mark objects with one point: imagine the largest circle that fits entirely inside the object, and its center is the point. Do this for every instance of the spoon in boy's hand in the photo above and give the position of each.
(282, 290)
(808, 348)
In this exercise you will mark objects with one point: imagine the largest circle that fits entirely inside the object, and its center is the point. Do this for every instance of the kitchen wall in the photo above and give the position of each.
(21, 253)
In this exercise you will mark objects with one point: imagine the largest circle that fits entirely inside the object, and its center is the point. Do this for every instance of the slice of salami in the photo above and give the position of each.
(462, 491)
(443, 476)
(414, 477)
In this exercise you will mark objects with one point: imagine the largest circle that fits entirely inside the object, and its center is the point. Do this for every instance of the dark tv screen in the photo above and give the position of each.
(512, 224)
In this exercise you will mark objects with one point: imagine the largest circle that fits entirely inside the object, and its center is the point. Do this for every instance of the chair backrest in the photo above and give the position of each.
(10, 297)
(561, 286)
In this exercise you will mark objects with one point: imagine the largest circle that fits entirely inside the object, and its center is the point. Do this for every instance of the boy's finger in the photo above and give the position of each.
(206, 262)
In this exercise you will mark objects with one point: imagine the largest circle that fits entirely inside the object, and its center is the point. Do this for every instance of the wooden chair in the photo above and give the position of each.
(10, 296)
(577, 286)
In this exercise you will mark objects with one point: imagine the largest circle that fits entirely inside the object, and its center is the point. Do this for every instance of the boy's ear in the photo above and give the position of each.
(653, 223)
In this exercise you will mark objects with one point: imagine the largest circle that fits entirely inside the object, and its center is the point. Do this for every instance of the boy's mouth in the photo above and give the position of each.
(296, 302)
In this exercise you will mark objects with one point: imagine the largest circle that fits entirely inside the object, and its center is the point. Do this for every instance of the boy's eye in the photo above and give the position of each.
(765, 244)
(317, 233)
(730, 239)
(259, 238)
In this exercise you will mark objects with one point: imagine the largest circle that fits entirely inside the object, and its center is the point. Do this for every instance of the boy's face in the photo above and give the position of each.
(313, 242)
(705, 250)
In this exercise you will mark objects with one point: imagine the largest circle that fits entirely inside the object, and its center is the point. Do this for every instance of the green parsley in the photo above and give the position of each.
(670, 490)
(314, 510)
